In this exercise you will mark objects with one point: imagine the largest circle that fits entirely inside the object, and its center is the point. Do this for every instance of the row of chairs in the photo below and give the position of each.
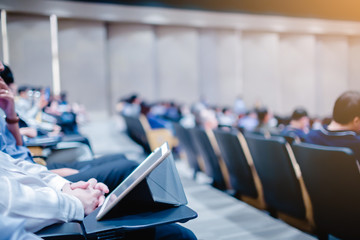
(314, 188)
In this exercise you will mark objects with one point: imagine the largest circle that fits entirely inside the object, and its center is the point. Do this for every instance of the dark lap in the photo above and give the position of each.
(95, 162)
(112, 173)
(173, 232)
(162, 232)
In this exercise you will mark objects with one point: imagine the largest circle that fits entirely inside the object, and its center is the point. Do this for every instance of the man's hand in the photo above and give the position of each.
(64, 172)
(90, 193)
(7, 100)
(28, 131)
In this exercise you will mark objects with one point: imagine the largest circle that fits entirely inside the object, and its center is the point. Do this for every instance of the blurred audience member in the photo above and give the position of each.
(28, 106)
(187, 118)
(249, 121)
(208, 119)
(266, 124)
(299, 124)
(239, 106)
(226, 118)
(344, 129)
(131, 106)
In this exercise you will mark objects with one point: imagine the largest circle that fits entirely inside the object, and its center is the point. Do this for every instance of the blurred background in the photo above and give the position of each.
(280, 54)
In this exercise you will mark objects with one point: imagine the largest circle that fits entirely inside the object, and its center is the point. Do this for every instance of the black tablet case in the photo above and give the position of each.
(158, 199)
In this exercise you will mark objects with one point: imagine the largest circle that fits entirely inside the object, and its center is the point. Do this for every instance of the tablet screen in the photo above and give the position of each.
(144, 169)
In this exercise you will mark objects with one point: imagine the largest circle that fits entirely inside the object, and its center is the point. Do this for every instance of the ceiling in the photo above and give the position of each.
(323, 9)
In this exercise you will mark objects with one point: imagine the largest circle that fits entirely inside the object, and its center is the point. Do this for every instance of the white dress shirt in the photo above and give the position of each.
(13, 229)
(29, 191)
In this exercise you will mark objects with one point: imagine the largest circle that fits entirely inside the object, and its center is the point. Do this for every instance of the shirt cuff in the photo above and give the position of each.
(78, 214)
(58, 183)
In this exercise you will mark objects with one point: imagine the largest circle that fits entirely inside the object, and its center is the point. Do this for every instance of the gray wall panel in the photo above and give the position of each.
(132, 61)
(30, 49)
(82, 62)
(178, 70)
(297, 72)
(261, 70)
(332, 71)
(354, 63)
(220, 66)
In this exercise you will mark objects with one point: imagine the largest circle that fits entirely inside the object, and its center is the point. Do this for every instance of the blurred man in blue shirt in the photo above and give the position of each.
(343, 131)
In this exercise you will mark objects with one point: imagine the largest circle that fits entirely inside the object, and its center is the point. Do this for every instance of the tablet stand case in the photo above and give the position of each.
(158, 199)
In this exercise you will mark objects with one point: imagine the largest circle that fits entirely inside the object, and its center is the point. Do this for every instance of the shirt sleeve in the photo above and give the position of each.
(52, 179)
(27, 197)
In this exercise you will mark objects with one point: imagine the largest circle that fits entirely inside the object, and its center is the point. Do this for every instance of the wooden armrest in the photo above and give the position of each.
(156, 137)
(36, 151)
(39, 160)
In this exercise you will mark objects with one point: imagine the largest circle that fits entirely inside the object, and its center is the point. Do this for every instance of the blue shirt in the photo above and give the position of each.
(8, 144)
(349, 139)
(293, 132)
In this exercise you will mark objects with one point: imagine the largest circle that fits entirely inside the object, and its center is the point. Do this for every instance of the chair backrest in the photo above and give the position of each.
(137, 132)
(332, 177)
(241, 177)
(281, 186)
(187, 144)
(211, 161)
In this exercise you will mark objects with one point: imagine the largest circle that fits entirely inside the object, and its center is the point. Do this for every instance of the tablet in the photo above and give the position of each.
(139, 174)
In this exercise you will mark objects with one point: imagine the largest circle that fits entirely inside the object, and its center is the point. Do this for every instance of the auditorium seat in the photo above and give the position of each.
(140, 131)
(243, 176)
(284, 191)
(332, 177)
(214, 168)
(187, 144)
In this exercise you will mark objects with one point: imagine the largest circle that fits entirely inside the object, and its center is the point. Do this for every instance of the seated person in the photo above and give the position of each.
(343, 130)
(31, 192)
(111, 169)
(38, 198)
(14, 229)
(265, 126)
(299, 125)
(29, 110)
(248, 122)
(207, 119)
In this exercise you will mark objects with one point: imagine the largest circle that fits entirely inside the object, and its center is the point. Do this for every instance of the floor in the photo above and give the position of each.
(220, 216)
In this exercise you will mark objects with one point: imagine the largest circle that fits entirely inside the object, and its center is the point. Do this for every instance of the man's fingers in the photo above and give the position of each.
(80, 184)
(3, 84)
(101, 200)
(97, 193)
(102, 187)
(92, 182)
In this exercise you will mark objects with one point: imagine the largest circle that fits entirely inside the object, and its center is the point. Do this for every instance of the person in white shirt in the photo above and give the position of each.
(13, 229)
(33, 193)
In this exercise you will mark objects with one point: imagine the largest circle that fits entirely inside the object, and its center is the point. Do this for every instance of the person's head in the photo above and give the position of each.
(23, 91)
(208, 119)
(300, 118)
(263, 115)
(347, 109)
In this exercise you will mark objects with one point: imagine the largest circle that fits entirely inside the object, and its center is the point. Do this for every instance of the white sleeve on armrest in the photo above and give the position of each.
(26, 197)
(52, 179)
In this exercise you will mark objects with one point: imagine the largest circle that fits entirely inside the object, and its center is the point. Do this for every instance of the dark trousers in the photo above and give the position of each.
(110, 169)
(162, 232)
(173, 232)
